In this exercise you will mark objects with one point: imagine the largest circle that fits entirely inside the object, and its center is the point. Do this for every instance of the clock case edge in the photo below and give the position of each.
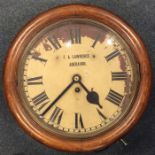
(10, 83)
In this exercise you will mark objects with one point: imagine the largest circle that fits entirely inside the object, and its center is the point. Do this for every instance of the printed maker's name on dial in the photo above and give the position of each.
(78, 57)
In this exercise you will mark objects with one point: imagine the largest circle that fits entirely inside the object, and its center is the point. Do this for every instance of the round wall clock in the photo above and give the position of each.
(77, 78)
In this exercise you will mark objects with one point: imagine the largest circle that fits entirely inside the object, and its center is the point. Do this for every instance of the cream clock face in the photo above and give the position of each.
(77, 78)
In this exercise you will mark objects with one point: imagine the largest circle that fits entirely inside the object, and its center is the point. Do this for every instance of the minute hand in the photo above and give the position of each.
(59, 96)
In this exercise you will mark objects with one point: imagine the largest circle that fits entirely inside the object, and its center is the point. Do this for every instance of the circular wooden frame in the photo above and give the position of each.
(52, 16)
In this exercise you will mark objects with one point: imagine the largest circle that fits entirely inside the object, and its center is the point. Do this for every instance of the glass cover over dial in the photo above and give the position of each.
(77, 78)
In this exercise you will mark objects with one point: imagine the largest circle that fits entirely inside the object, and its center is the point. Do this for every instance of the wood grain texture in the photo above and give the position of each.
(15, 52)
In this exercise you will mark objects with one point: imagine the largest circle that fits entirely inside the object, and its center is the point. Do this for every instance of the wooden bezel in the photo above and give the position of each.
(10, 77)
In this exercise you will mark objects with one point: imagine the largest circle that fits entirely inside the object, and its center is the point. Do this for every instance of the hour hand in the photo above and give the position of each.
(92, 96)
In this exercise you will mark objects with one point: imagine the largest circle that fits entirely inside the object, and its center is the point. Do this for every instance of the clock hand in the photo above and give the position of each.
(84, 87)
(92, 96)
(58, 97)
(76, 78)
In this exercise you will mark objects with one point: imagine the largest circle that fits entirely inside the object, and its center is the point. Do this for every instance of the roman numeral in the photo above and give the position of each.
(114, 97)
(35, 80)
(112, 55)
(78, 121)
(56, 115)
(38, 58)
(42, 106)
(75, 36)
(40, 98)
(119, 75)
(46, 46)
(101, 114)
(55, 42)
(95, 41)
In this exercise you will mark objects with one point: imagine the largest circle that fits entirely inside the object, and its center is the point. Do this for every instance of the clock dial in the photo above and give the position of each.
(77, 78)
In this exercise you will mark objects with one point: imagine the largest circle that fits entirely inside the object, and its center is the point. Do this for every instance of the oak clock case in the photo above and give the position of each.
(77, 78)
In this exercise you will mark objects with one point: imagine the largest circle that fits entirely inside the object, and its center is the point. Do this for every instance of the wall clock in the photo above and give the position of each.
(77, 78)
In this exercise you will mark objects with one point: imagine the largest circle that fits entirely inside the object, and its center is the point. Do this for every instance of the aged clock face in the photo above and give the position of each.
(77, 78)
